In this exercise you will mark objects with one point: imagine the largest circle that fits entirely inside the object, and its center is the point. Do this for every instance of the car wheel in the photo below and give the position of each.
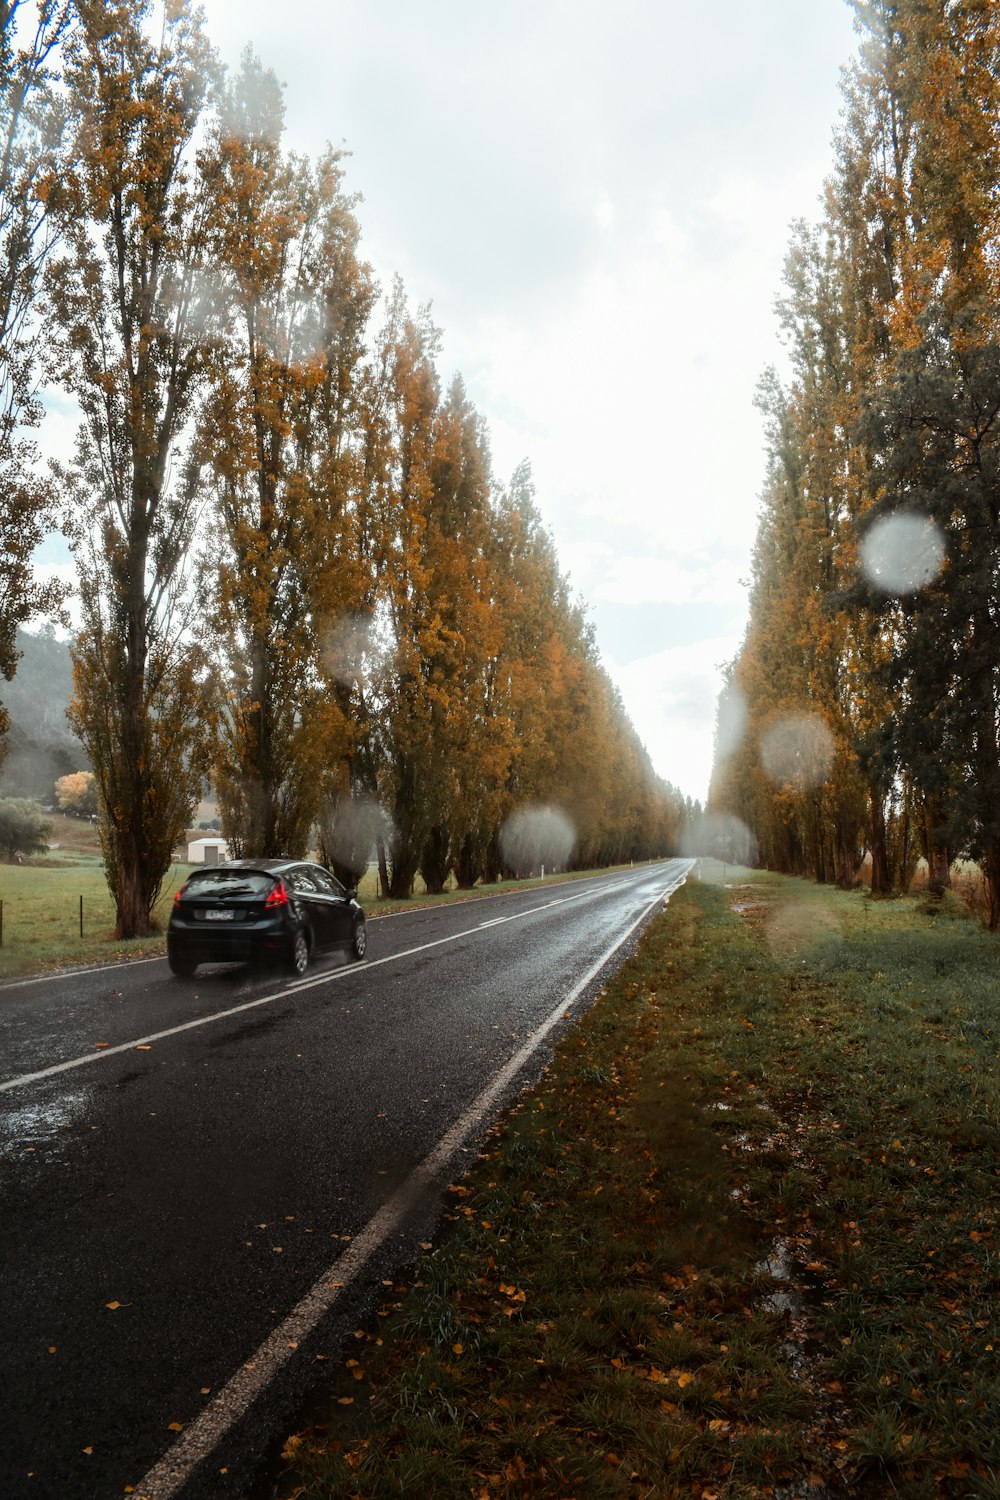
(359, 941)
(298, 958)
(181, 965)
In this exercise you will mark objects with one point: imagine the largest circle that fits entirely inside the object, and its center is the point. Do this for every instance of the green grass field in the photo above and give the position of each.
(740, 1242)
(41, 914)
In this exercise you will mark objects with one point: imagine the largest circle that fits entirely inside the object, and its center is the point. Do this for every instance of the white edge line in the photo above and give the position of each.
(96, 968)
(230, 1404)
(21, 1080)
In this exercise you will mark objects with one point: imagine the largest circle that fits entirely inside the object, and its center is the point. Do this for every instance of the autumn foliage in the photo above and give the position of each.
(876, 586)
(77, 793)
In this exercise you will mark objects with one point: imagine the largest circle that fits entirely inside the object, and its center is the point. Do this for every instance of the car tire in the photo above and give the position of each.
(180, 964)
(298, 954)
(359, 940)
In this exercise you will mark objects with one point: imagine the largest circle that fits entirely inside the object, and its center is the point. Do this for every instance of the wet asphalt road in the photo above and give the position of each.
(203, 1181)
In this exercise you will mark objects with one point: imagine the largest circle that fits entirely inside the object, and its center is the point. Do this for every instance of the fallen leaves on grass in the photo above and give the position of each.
(656, 1312)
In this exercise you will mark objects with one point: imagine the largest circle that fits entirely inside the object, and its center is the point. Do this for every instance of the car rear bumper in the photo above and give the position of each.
(258, 943)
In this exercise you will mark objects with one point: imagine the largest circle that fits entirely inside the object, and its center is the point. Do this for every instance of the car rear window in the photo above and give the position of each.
(217, 882)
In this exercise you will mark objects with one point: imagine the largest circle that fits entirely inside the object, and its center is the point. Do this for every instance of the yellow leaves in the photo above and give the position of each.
(656, 1376)
(175, 1426)
(114, 1306)
(516, 1297)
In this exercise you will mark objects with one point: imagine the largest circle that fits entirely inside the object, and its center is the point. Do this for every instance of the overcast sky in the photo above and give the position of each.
(596, 201)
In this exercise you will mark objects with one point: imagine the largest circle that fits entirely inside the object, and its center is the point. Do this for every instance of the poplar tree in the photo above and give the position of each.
(468, 742)
(899, 416)
(33, 120)
(932, 421)
(281, 431)
(124, 297)
(401, 689)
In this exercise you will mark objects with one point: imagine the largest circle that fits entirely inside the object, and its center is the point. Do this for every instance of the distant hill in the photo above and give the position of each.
(41, 745)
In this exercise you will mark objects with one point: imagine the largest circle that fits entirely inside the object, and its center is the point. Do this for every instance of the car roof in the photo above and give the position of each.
(265, 866)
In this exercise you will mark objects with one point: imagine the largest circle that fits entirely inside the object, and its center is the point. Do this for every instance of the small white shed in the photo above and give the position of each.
(210, 851)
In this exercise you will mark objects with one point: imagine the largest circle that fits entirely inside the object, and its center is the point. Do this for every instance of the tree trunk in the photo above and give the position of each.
(493, 860)
(466, 865)
(405, 854)
(991, 875)
(847, 873)
(404, 868)
(128, 819)
(383, 868)
(936, 851)
(881, 885)
(436, 860)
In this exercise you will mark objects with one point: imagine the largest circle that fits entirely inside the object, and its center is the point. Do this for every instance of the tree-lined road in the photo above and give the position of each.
(183, 1161)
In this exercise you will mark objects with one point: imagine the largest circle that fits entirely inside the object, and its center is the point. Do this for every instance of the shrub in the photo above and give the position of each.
(23, 828)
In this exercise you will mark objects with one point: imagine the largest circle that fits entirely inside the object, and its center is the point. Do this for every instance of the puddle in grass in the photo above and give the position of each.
(787, 1296)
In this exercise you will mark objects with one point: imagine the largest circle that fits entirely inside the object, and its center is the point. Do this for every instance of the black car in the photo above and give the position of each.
(265, 910)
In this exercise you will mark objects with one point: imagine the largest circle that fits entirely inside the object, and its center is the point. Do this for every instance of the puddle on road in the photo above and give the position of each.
(23, 1130)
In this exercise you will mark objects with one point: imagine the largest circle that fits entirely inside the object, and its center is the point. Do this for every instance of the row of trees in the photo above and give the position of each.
(298, 578)
(868, 686)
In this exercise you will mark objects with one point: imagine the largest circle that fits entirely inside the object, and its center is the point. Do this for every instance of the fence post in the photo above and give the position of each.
(1, 923)
(81, 915)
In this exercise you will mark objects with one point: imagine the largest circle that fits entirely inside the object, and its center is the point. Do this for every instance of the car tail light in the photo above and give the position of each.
(277, 897)
(177, 898)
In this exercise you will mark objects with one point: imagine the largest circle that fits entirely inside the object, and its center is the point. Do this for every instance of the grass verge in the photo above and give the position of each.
(740, 1241)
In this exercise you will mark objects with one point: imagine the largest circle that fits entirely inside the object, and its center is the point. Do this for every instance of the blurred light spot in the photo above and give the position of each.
(720, 836)
(534, 837)
(902, 553)
(730, 722)
(349, 829)
(343, 648)
(794, 930)
(797, 751)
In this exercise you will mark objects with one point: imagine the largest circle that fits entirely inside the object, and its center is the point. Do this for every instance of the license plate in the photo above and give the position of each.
(219, 914)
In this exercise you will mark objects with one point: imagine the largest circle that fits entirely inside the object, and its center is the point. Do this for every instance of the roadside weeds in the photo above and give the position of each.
(740, 1240)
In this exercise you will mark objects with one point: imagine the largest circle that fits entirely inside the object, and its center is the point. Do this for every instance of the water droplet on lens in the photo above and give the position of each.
(902, 553)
